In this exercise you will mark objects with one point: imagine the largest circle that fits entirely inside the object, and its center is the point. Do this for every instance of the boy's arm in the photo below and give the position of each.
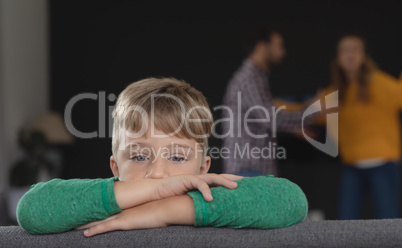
(258, 202)
(133, 193)
(175, 210)
(61, 205)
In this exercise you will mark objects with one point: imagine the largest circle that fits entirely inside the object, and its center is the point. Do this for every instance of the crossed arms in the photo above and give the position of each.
(103, 205)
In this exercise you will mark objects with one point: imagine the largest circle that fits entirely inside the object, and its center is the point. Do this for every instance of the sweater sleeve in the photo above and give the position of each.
(398, 93)
(258, 202)
(61, 205)
(392, 87)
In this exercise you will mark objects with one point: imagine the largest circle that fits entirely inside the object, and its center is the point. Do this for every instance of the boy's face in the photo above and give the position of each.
(155, 157)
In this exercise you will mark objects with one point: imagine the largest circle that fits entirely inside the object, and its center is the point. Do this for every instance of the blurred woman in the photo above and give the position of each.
(369, 131)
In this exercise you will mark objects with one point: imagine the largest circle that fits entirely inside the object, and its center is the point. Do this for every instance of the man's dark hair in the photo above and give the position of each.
(262, 33)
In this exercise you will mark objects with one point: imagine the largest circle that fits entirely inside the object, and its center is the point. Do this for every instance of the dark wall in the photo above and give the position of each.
(105, 45)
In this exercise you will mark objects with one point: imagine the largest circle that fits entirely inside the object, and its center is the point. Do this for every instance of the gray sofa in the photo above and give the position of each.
(356, 233)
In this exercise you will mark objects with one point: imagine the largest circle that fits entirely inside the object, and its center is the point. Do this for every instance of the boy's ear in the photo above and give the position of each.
(206, 165)
(114, 167)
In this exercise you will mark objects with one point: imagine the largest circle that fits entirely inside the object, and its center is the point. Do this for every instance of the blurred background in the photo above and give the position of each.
(51, 51)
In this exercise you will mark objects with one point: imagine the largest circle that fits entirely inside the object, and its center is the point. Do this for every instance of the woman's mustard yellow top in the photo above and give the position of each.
(371, 130)
(367, 130)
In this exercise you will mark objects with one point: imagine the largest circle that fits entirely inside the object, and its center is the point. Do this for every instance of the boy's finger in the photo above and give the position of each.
(203, 187)
(90, 224)
(226, 181)
(232, 177)
(103, 227)
(216, 180)
(86, 226)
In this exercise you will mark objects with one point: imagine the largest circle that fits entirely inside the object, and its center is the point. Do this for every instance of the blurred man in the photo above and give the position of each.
(250, 136)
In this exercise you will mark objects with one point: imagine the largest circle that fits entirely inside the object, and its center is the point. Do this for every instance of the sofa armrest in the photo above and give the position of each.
(355, 233)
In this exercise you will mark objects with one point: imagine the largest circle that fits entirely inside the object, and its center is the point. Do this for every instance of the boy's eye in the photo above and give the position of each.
(139, 158)
(177, 159)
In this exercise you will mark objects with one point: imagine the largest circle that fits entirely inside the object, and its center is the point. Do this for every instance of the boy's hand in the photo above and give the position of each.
(181, 184)
(174, 210)
(168, 189)
(129, 194)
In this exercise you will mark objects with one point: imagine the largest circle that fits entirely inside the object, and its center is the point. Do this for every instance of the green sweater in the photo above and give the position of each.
(257, 202)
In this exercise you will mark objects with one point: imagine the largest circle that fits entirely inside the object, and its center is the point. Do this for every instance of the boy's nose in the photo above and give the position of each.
(157, 170)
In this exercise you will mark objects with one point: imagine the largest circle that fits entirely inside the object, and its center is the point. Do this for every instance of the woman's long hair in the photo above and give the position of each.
(338, 77)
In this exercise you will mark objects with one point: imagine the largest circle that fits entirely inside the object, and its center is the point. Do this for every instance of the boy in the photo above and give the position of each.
(159, 144)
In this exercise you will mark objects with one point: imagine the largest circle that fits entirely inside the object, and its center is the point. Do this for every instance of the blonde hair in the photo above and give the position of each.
(173, 103)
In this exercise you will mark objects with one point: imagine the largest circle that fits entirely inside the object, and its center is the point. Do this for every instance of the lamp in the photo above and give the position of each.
(42, 158)
(52, 126)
